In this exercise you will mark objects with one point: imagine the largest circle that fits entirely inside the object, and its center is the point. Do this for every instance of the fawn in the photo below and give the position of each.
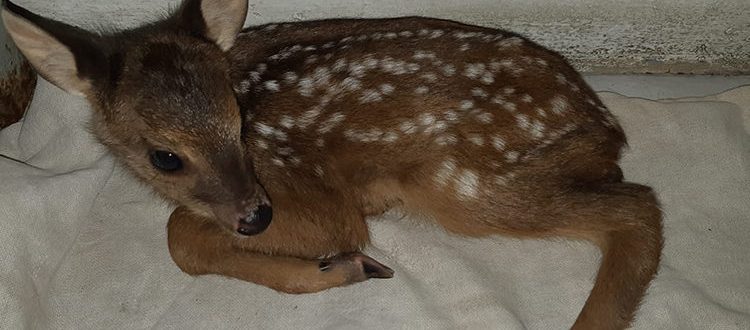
(277, 141)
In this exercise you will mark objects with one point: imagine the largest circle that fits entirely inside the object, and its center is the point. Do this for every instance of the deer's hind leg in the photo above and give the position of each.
(622, 219)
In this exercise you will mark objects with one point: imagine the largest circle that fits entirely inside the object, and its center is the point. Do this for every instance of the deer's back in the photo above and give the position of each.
(367, 99)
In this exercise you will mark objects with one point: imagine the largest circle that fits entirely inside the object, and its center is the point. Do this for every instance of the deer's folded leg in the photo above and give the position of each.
(200, 247)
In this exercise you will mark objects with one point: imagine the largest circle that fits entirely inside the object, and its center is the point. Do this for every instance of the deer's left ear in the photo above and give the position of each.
(64, 55)
(216, 20)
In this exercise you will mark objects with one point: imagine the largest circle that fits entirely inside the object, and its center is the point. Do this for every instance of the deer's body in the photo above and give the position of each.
(479, 129)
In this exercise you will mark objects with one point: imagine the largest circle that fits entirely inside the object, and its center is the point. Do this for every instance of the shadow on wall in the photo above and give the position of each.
(17, 82)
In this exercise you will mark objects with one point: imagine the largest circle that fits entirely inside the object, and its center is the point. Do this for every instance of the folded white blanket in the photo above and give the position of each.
(84, 245)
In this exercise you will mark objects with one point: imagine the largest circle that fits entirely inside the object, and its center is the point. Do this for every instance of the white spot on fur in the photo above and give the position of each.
(264, 129)
(447, 139)
(243, 87)
(305, 87)
(464, 35)
(449, 70)
(261, 144)
(387, 89)
(438, 126)
(321, 77)
(339, 66)
(423, 55)
(450, 115)
(474, 70)
(278, 162)
(510, 42)
(254, 77)
(537, 130)
(408, 127)
(484, 117)
(272, 85)
(426, 119)
(503, 180)
(464, 47)
(445, 172)
(369, 96)
(498, 99)
(318, 170)
(476, 139)
(436, 34)
(285, 151)
(559, 104)
(526, 98)
(422, 90)
(512, 156)
(498, 143)
(309, 117)
(390, 137)
(357, 69)
(331, 122)
(523, 121)
(541, 112)
(478, 92)
(290, 77)
(370, 62)
(467, 184)
(509, 90)
(430, 77)
(286, 122)
(466, 104)
(351, 84)
(487, 78)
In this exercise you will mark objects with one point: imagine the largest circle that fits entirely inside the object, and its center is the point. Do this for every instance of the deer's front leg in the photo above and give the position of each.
(200, 247)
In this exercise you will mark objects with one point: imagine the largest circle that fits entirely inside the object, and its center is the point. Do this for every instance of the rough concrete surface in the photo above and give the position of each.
(600, 36)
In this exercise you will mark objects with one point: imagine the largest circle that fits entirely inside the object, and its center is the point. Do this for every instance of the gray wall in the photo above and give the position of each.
(696, 36)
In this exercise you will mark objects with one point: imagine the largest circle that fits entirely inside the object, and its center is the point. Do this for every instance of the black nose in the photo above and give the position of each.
(257, 222)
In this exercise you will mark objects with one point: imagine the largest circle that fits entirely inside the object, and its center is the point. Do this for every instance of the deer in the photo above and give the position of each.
(276, 142)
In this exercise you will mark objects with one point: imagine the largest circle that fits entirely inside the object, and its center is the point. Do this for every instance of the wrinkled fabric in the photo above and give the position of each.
(84, 244)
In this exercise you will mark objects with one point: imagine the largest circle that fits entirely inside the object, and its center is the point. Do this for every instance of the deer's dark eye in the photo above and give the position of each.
(166, 161)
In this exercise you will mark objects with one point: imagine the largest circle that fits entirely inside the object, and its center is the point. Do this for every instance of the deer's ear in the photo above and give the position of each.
(216, 20)
(70, 64)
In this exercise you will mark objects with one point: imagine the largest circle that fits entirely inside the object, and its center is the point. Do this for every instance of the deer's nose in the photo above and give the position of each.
(256, 222)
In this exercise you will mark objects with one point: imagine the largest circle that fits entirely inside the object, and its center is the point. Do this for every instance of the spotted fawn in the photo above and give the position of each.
(317, 125)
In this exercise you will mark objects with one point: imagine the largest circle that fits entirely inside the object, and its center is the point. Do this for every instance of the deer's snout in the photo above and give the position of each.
(254, 222)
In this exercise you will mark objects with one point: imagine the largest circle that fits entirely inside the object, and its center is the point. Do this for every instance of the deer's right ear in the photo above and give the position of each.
(56, 61)
(216, 20)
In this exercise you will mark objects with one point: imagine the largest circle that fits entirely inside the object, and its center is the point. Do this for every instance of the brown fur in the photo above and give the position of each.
(16, 90)
(249, 133)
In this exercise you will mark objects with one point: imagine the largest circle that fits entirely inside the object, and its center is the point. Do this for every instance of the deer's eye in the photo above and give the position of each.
(165, 161)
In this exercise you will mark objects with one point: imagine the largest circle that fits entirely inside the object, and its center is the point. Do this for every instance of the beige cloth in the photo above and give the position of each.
(84, 247)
